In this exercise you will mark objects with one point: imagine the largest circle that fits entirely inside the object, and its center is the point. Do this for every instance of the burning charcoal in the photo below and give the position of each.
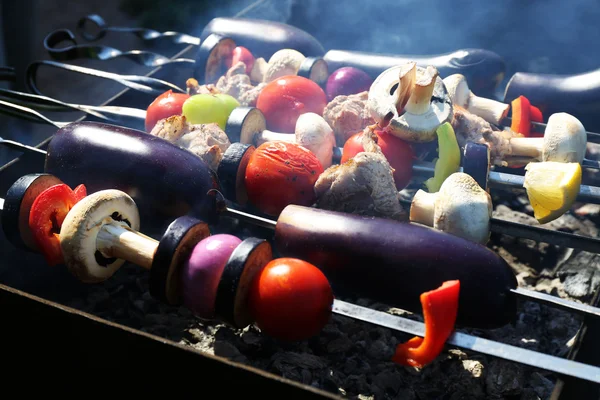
(340, 345)
(228, 350)
(581, 275)
(504, 378)
(379, 350)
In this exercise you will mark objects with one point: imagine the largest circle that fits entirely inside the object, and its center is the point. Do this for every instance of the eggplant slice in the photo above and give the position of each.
(17, 205)
(245, 262)
(174, 249)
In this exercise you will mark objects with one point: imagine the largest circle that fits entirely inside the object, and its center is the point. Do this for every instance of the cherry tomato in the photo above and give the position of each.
(283, 100)
(244, 55)
(291, 299)
(399, 154)
(279, 174)
(164, 106)
(47, 214)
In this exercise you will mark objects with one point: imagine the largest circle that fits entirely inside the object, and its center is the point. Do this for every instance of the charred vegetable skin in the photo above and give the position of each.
(375, 258)
(158, 175)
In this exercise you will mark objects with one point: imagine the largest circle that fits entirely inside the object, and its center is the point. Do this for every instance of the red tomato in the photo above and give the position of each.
(47, 214)
(399, 154)
(244, 55)
(283, 100)
(291, 299)
(279, 174)
(164, 106)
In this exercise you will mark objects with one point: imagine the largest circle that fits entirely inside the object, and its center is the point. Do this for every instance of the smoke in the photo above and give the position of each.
(545, 36)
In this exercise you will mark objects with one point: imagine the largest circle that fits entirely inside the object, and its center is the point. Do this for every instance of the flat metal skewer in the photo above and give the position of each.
(473, 343)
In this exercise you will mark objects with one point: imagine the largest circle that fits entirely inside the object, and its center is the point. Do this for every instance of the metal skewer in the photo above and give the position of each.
(480, 345)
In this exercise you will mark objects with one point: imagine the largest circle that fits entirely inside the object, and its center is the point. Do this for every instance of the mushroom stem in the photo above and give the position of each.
(270, 136)
(119, 241)
(527, 147)
(420, 99)
(406, 84)
(422, 208)
(491, 110)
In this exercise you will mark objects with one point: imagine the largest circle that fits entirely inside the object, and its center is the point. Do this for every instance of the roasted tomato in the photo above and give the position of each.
(283, 100)
(164, 106)
(398, 153)
(244, 55)
(279, 174)
(291, 299)
(47, 214)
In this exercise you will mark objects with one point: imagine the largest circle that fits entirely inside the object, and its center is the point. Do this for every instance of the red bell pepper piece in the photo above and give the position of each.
(535, 115)
(521, 120)
(46, 216)
(440, 307)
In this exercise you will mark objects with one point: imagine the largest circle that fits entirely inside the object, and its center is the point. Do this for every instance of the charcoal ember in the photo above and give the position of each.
(504, 379)
(339, 345)
(389, 382)
(380, 350)
(291, 365)
(580, 275)
(228, 350)
(541, 385)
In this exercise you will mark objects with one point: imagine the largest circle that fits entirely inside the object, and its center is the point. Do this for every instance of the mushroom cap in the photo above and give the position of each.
(80, 228)
(458, 89)
(407, 126)
(314, 133)
(463, 208)
(565, 139)
(283, 62)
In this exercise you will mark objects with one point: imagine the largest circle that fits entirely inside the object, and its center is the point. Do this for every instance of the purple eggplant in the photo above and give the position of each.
(161, 177)
(577, 94)
(483, 69)
(263, 37)
(395, 262)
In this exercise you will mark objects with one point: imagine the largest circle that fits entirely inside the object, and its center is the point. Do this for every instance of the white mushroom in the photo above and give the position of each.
(491, 110)
(259, 70)
(461, 207)
(283, 62)
(565, 140)
(410, 102)
(87, 235)
(312, 132)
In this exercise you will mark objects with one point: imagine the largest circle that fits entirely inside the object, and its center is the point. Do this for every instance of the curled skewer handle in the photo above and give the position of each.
(144, 84)
(93, 22)
(75, 51)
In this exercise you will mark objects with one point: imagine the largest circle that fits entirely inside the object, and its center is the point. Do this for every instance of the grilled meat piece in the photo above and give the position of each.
(207, 141)
(194, 88)
(363, 185)
(348, 115)
(472, 128)
(237, 84)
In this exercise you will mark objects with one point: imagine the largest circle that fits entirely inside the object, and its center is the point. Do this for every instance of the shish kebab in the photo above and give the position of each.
(484, 69)
(245, 123)
(188, 175)
(100, 232)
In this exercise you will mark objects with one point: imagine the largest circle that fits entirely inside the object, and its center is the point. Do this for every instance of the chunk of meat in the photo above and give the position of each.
(237, 84)
(469, 127)
(348, 115)
(207, 141)
(193, 87)
(363, 185)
